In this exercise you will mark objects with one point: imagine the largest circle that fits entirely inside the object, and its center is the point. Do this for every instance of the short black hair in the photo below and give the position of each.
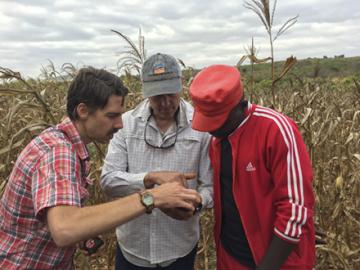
(93, 87)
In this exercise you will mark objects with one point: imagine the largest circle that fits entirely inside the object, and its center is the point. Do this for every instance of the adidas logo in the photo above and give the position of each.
(250, 167)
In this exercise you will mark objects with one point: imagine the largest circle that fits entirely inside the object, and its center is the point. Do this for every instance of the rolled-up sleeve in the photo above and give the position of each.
(56, 180)
(115, 180)
(205, 177)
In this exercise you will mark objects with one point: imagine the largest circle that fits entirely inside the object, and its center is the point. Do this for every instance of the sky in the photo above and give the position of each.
(199, 32)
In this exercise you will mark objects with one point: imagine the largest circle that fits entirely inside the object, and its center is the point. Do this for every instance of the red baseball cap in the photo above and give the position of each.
(215, 91)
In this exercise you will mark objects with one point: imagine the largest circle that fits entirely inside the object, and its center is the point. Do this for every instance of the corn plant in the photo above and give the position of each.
(262, 10)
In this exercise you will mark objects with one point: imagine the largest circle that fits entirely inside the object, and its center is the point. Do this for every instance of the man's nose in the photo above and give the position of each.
(166, 100)
(118, 123)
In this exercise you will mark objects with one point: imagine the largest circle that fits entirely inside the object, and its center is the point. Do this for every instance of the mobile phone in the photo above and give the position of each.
(92, 245)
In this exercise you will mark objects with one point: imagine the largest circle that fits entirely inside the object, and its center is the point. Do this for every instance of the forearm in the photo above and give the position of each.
(120, 184)
(70, 224)
(205, 179)
(116, 180)
(276, 254)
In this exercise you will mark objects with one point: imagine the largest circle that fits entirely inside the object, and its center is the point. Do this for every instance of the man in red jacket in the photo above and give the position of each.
(263, 194)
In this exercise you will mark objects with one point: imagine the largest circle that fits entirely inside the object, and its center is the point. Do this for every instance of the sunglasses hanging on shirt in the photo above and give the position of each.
(161, 146)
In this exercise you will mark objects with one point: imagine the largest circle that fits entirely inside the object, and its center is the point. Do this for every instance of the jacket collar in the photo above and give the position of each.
(249, 110)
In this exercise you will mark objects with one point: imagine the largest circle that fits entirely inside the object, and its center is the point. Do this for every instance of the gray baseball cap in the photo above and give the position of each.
(160, 74)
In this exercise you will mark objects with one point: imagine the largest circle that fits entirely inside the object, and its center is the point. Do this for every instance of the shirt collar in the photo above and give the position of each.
(69, 129)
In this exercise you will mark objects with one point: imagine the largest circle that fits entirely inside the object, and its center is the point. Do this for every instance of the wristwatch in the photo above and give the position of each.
(198, 208)
(147, 199)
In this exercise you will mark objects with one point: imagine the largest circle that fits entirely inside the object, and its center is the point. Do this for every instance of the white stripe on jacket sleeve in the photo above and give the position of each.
(294, 173)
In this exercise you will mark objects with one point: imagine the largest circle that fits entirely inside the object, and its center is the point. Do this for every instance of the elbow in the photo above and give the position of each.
(62, 236)
(107, 189)
(105, 185)
(103, 182)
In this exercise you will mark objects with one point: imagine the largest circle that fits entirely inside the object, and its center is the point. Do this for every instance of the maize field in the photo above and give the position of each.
(327, 112)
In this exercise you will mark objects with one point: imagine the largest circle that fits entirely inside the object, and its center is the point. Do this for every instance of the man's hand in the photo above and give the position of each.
(174, 195)
(180, 213)
(276, 254)
(158, 178)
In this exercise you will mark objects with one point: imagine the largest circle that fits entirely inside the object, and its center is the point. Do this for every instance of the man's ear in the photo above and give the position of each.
(82, 111)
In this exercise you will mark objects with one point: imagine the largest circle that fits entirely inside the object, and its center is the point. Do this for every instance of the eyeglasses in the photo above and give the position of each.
(162, 146)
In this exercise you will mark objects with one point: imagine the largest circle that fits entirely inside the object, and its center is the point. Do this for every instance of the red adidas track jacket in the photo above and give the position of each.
(272, 185)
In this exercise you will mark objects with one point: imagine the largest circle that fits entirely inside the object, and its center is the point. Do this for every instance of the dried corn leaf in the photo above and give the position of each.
(307, 115)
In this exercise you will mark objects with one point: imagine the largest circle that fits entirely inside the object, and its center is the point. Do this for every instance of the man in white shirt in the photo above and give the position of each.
(156, 145)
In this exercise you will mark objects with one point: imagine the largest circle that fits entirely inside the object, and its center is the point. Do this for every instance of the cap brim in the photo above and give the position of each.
(205, 123)
(155, 88)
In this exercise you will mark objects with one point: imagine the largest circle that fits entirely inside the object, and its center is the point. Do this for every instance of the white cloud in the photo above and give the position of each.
(199, 32)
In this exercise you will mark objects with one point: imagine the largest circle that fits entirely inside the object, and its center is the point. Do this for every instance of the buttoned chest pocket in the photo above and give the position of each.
(184, 156)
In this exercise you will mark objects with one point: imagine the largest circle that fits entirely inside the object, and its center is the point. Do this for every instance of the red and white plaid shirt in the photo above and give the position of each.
(50, 171)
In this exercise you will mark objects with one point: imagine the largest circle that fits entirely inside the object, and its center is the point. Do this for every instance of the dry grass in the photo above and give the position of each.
(327, 112)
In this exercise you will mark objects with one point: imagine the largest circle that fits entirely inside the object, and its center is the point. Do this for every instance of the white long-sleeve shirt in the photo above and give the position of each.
(156, 238)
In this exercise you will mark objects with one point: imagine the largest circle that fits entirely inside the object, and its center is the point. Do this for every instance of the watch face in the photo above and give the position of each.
(148, 199)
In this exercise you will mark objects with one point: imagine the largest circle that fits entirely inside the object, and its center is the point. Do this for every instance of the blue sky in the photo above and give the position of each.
(201, 32)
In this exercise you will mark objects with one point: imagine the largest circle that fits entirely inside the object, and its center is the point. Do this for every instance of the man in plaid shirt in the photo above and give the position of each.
(41, 213)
